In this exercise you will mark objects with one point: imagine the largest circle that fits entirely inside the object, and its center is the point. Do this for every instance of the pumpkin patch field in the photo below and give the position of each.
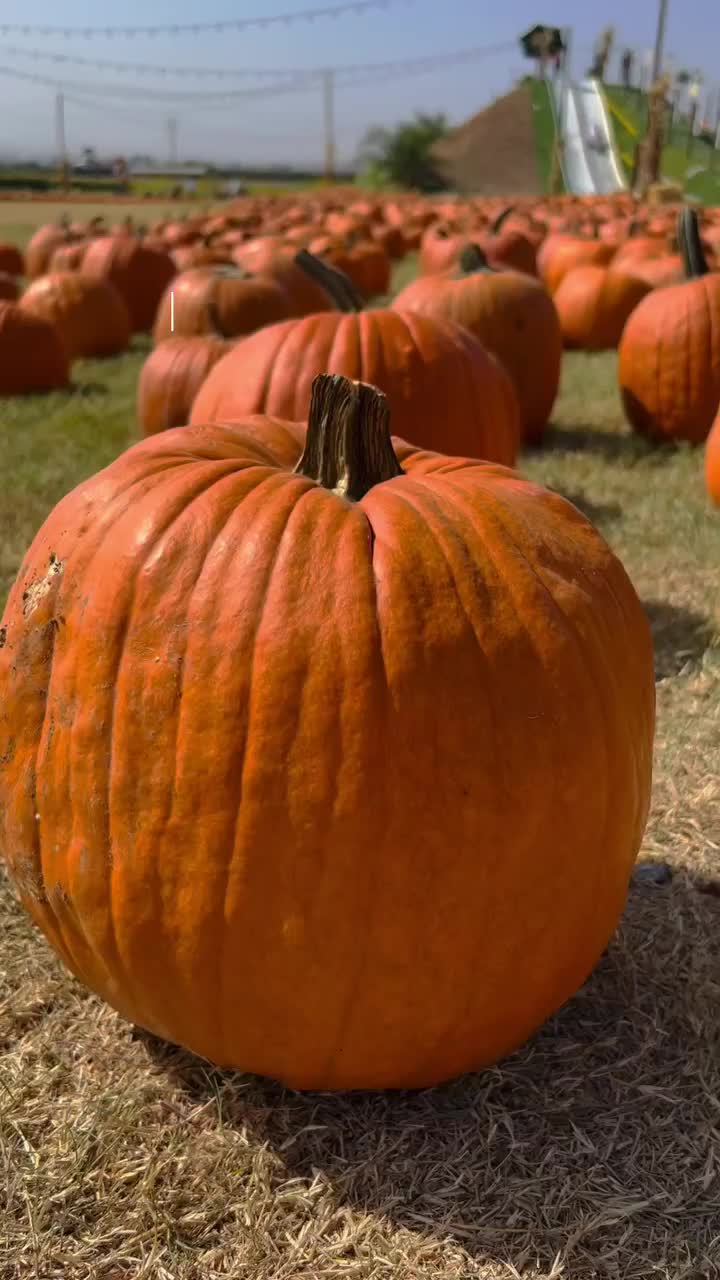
(360, 740)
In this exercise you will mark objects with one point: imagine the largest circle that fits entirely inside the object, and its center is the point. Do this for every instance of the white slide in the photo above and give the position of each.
(580, 110)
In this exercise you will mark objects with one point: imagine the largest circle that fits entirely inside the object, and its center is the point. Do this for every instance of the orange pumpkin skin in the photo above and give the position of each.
(171, 378)
(712, 461)
(438, 379)
(294, 780)
(512, 316)
(266, 257)
(236, 302)
(570, 254)
(669, 361)
(32, 355)
(90, 315)
(140, 275)
(593, 305)
(41, 247)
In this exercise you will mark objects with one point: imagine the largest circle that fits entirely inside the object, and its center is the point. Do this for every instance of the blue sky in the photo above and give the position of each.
(282, 128)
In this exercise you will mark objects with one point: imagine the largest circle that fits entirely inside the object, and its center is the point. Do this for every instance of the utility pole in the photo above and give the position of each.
(650, 149)
(659, 41)
(172, 128)
(329, 120)
(60, 143)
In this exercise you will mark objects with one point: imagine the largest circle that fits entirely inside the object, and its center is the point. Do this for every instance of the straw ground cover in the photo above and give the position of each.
(594, 1152)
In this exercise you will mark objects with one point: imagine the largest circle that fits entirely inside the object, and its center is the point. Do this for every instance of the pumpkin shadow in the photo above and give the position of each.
(592, 1143)
(614, 446)
(680, 636)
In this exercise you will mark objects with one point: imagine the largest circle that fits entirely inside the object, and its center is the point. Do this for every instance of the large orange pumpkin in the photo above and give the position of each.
(512, 315)
(32, 354)
(331, 766)
(437, 376)
(90, 315)
(669, 356)
(139, 274)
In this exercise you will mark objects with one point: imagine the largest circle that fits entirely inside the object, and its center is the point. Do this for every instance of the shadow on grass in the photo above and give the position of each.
(593, 1143)
(679, 636)
(614, 446)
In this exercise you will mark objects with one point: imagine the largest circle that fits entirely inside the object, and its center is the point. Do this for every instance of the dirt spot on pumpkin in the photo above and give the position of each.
(3, 637)
(38, 590)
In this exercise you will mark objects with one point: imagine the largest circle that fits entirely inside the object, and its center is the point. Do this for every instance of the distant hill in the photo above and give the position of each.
(496, 152)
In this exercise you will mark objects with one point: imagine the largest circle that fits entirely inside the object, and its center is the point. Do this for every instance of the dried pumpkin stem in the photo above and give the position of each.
(336, 283)
(688, 235)
(348, 448)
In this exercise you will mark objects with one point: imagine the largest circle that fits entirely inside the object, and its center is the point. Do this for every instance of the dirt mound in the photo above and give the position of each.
(494, 153)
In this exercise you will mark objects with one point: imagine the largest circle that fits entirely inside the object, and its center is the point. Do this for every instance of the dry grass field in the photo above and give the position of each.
(593, 1152)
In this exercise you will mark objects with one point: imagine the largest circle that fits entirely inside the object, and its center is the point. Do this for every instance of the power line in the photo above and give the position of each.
(296, 79)
(196, 28)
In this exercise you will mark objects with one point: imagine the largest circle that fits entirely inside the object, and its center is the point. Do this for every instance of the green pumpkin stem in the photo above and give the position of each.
(496, 226)
(688, 234)
(215, 323)
(473, 259)
(348, 448)
(339, 286)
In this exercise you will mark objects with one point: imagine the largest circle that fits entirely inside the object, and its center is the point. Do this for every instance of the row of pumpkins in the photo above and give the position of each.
(276, 291)
(325, 754)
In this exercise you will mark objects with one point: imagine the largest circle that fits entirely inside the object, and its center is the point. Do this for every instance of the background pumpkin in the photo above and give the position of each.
(219, 298)
(214, 841)
(594, 303)
(171, 378)
(139, 274)
(669, 356)
(445, 391)
(32, 356)
(90, 315)
(512, 316)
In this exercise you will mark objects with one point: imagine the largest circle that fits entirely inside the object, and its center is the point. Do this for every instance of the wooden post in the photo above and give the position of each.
(329, 119)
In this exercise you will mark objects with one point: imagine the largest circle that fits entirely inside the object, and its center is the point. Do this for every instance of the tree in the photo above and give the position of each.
(403, 156)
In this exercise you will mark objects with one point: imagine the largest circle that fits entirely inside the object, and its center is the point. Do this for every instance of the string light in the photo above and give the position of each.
(348, 7)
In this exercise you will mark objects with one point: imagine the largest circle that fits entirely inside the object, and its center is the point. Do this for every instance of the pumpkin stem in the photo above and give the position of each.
(348, 448)
(336, 283)
(473, 259)
(214, 321)
(503, 214)
(688, 235)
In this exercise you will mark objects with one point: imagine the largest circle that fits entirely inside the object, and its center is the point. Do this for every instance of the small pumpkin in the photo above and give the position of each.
(445, 390)
(269, 256)
(90, 315)
(241, 303)
(139, 274)
(173, 374)
(512, 316)
(594, 303)
(339, 730)
(569, 253)
(42, 245)
(669, 355)
(32, 355)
